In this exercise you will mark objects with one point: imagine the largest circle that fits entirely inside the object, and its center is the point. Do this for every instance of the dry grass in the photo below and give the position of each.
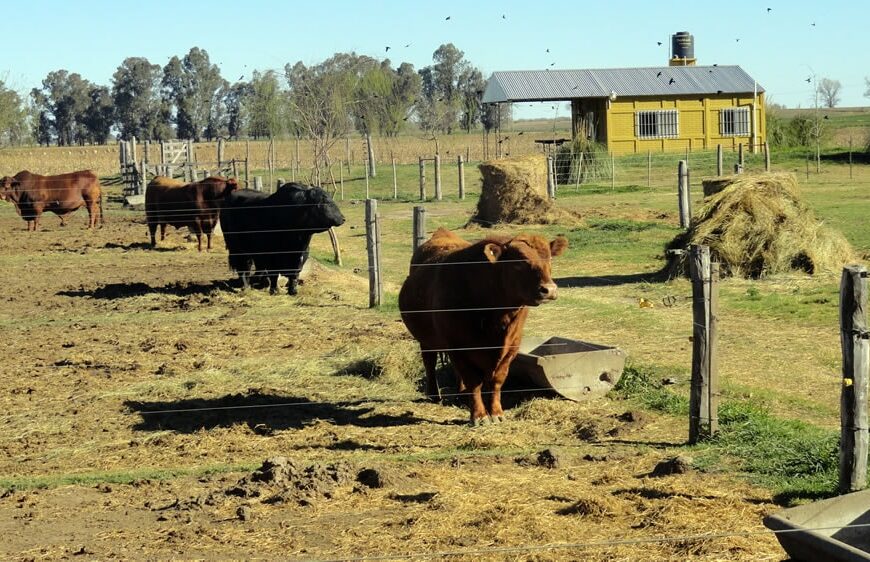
(758, 225)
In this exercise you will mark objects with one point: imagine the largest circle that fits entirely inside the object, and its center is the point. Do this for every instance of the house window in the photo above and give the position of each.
(734, 122)
(663, 124)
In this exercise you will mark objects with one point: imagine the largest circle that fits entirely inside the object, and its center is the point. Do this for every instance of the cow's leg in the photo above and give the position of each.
(473, 382)
(208, 237)
(429, 362)
(273, 282)
(292, 284)
(496, 381)
(163, 231)
(152, 230)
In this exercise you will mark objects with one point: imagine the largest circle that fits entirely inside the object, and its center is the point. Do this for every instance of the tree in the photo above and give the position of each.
(13, 116)
(829, 90)
(264, 104)
(63, 99)
(449, 88)
(196, 89)
(140, 112)
(99, 116)
(237, 108)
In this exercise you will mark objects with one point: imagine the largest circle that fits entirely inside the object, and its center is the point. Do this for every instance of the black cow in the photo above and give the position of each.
(269, 234)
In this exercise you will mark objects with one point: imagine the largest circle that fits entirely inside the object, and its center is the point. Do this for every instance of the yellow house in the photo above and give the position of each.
(667, 108)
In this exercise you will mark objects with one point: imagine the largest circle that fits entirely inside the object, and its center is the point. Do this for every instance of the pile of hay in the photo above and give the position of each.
(757, 225)
(515, 191)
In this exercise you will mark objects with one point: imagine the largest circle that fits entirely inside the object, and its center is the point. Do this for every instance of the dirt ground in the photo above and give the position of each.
(151, 409)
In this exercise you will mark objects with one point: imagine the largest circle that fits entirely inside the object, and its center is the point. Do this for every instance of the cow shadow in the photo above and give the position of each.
(263, 413)
(141, 246)
(613, 280)
(114, 291)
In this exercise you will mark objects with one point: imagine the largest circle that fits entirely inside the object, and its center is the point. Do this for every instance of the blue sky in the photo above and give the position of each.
(780, 48)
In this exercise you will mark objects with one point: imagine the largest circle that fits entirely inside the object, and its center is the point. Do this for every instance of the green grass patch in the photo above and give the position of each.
(794, 459)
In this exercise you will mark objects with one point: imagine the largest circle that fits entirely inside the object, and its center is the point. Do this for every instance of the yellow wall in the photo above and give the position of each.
(698, 123)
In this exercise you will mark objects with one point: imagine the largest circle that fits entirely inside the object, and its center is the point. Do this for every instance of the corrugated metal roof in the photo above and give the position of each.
(551, 85)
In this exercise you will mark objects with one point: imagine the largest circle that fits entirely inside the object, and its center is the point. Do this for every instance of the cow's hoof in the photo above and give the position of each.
(478, 422)
(497, 419)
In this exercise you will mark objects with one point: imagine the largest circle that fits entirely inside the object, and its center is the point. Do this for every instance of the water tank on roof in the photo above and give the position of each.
(682, 45)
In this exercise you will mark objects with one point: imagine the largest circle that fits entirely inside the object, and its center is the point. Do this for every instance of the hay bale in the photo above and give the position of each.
(758, 225)
(515, 191)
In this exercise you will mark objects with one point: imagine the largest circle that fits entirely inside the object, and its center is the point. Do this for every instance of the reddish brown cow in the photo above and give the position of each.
(471, 300)
(33, 194)
(194, 205)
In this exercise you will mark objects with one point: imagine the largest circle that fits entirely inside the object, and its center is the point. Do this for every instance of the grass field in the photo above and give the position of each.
(103, 336)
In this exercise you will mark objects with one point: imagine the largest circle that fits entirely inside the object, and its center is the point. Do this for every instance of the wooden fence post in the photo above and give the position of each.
(341, 180)
(766, 157)
(147, 152)
(247, 164)
(143, 177)
(703, 396)
(461, 165)
(220, 152)
(648, 168)
(551, 189)
(422, 179)
(853, 393)
(395, 180)
(367, 177)
(373, 246)
(683, 194)
(419, 223)
(438, 192)
(740, 159)
(258, 183)
(336, 249)
(719, 160)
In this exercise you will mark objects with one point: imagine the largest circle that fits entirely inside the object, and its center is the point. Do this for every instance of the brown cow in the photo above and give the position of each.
(33, 194)
(194, 205)
(471, 300)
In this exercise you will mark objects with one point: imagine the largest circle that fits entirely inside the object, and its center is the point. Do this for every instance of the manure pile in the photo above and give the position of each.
(514, 191)
(757, 225)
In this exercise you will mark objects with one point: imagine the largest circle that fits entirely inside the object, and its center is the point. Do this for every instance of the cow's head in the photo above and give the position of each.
(230, 186)
(323, 212)
(7, 187)
(525, 267)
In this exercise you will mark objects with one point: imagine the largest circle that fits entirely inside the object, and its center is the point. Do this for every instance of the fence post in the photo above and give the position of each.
(719, 160)
(341, 180)
(373, 244)
(766, 157)
(648, 168)
(367, 177)
(189, 148)
(701, 393)
(336, 249)
(612, 172)
(461, 165)
(422, 179)
(258, 183)
(143, 180)
(710, 400)
(247, 163)
(551, 190)
(740, 159)
(738, 169)
(419, 226)
(683, 194)
(395, 181)
(147, 152)
(133, 155)
(220, 152)
(438, 176)
(853, 393)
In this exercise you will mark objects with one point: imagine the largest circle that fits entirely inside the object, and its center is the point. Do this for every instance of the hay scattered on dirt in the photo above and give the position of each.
(514, 191)
(757, 225)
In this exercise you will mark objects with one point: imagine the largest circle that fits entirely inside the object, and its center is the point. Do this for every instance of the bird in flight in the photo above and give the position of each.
(768, 10)
(408, 45)
(503, 17)
(387, 49)
(659, 43)
(548, 50)
(671, 81)
(447, 18)
(659, 73)
(521, 132)
(738, 40)
(242, 77)
(810, 79)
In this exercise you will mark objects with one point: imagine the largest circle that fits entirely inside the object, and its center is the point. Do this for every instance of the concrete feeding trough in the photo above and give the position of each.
(576, 370)
(815, 531)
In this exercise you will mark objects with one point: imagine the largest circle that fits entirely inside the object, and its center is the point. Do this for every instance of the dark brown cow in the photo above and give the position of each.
(471, 300)
(33, 194)
(194, 205)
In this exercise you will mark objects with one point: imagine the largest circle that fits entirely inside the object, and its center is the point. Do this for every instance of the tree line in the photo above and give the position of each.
(189, 98)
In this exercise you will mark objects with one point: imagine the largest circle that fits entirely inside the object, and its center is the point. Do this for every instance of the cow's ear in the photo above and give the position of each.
(492, 251)
(558, 245)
